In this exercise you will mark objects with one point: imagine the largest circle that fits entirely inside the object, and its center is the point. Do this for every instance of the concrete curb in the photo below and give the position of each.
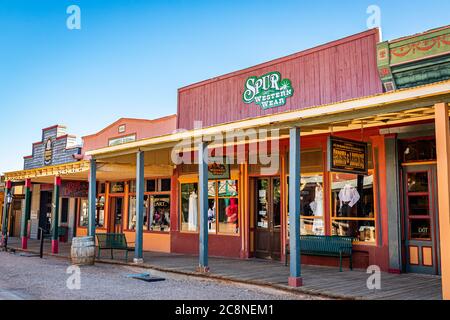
(210, 276)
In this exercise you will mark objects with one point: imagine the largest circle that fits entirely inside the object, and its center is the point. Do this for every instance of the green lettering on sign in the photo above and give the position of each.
(268, 91)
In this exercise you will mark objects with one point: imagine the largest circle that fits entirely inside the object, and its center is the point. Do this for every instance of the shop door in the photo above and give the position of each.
(116, 214)
(421, 224)
(45, 210)
(16, 218)
(268, 218)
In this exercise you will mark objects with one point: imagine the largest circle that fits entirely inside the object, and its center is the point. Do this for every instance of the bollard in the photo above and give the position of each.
(41, 237)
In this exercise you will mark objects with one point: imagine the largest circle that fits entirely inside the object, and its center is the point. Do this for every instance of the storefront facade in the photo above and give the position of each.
(310, 144)
(311, 78)
(38, 187)
(365, 160)
(116, 193)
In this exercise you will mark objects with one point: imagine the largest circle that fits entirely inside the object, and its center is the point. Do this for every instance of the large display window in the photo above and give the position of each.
(223, 207)
(353, 206)
(312, 205)
(156, 205)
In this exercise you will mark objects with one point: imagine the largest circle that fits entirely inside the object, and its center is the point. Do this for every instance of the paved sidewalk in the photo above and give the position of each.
(327, 281)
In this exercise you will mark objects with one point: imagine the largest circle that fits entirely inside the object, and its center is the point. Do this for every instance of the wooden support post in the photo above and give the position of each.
(443, 173)
(203, 206)
(92, 197)
(138, 254)
(55, 215)
(295, 279)
(26, 215)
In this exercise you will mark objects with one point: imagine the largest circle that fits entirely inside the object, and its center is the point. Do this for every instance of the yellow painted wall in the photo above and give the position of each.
(157, 242)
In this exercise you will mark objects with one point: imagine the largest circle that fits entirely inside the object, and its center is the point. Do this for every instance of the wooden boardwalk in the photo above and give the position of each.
(316, 279)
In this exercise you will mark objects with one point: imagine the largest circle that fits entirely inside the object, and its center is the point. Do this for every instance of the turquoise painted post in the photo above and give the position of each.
(203, 205)
(26, 216)
(92, 197)
(295, 279)
(138, 255)
(55, 215)
(6, 205)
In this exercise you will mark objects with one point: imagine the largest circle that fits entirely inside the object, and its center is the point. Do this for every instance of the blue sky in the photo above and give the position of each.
(130, 56)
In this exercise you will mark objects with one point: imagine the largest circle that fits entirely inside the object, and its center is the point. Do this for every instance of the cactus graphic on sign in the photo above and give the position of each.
(268, 91)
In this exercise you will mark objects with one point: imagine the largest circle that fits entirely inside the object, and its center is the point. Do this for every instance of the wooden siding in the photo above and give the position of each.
(333, 72)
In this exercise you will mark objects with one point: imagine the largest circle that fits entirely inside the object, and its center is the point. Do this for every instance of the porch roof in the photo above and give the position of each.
(78, 171)
(397, 107)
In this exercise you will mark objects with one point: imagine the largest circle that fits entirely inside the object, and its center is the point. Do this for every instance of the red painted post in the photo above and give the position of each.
(26, 216)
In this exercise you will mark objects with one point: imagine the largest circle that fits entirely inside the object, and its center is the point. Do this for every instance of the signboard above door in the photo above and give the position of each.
(218, 168)
(347, 156)
(268, 91)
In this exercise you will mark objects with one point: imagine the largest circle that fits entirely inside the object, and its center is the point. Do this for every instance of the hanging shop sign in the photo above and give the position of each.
(48, 152)
(268, 91)
(347, 156)
(218, 168)
(74, 189)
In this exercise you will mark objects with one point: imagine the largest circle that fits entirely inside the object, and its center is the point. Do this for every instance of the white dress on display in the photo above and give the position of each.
(318, 212)
(192, 219)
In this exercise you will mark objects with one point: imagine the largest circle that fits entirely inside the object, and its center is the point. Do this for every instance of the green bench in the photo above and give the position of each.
(62, 232)
(326, 246)
(113, 241)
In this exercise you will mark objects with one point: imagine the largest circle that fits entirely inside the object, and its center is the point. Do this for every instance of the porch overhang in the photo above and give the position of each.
(392, 108)
(78, 171)
(72, 171)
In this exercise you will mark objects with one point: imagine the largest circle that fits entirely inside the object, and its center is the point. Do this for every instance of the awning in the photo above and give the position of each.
(397, 107)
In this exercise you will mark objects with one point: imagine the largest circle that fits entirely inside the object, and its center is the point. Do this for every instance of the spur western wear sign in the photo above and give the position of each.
(267, 91)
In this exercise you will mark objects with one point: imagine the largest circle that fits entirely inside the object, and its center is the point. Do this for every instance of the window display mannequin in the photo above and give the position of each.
(317, 207)
(192, 214)
(348, 197)
(211, 215)
(152, 211)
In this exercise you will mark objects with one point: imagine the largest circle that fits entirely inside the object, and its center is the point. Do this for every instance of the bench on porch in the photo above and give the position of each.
(113, 241)
(62, 234)
(328, 246)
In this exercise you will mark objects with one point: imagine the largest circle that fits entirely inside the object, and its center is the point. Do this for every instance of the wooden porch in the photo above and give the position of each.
(326, 281)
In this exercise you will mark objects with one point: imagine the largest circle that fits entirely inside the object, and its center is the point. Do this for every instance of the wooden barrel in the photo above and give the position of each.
(83, 251)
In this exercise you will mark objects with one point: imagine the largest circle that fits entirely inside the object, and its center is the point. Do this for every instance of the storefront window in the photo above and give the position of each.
(418, 150)
(165, 185)
(312, 205)
(132, 186)
(223, 207)
(159, 213)
(353, 210)
(189, 206)
(84, 213)
(132, 213)
(211, 207)
(151, 185)
(100, 218)
(228, 207)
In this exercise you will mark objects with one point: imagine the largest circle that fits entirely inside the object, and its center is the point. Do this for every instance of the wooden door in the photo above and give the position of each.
(268, 218)
(420, 219)
(116, 215)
